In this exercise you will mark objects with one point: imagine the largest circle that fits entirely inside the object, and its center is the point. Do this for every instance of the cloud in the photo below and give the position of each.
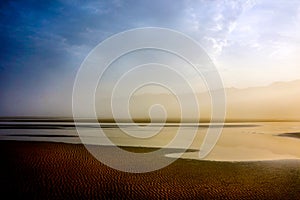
(211, 22)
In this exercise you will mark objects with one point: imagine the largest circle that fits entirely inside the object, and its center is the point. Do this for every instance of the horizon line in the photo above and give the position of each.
(137, 120)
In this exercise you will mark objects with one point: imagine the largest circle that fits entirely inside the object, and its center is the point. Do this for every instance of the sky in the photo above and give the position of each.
(252, 43)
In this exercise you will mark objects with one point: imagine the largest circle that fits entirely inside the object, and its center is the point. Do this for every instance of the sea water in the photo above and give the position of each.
(238, 141)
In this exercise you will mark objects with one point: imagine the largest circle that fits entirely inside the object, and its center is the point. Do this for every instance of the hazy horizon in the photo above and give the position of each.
(243, 105)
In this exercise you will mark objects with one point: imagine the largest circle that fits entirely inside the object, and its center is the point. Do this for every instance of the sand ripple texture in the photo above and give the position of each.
(40, 170)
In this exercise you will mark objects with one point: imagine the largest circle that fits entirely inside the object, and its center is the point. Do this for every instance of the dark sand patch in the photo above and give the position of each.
(293, 135)
(39, 135)
(151, 149)
(43, 170)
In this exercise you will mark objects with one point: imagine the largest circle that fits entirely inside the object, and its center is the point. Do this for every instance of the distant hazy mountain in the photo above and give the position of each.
(278, 101)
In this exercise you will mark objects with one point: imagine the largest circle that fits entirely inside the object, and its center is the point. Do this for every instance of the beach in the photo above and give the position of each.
(150, 100)
(46, 170)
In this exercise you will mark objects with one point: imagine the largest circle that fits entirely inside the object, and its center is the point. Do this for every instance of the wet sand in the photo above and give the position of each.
(44, 170)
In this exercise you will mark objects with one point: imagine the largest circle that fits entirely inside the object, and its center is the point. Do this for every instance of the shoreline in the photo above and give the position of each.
(173, 153)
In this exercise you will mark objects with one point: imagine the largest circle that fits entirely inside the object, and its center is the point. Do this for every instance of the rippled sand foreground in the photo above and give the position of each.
(44, 170)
